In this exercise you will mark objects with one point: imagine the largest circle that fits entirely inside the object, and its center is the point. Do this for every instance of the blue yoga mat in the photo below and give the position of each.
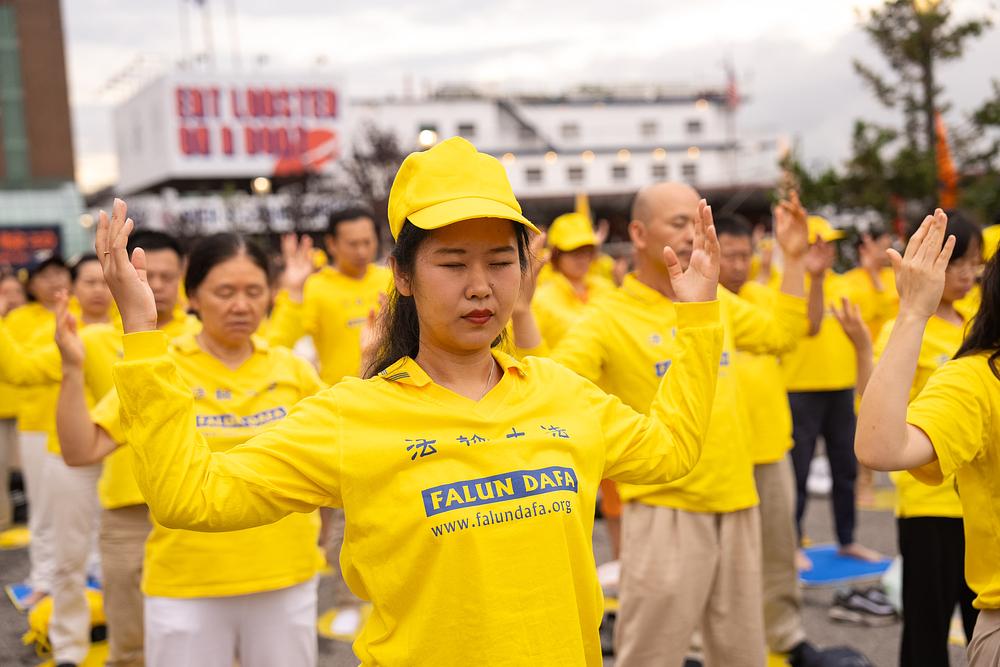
(18, 593)
(831, 569)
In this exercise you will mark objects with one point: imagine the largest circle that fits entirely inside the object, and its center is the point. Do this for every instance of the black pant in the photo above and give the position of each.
(830, 414)
(933, 551)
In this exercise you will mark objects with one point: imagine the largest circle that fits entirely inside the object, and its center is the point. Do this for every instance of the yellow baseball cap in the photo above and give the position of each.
(449, 183)
(820, 228)
(571, 231)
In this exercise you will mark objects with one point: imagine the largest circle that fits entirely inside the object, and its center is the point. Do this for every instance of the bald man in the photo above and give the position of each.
(690, 549)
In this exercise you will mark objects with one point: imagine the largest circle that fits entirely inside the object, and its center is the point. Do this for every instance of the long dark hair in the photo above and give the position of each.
(984, 332)
(398, 328)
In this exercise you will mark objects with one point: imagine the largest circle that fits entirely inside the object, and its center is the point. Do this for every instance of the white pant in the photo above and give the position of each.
(41, 551)
(75, 513)
(270, 629)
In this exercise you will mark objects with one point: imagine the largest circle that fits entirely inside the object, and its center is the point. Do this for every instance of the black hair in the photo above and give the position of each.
(346, 215)
(151, 240)
(74, 270)
(398, 326)
(983, 334)
(50, 261)
(733, 225)
(963, 228)
(217, 248)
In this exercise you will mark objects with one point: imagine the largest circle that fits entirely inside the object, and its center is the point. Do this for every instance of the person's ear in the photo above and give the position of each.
(637, 233)
(401, 281)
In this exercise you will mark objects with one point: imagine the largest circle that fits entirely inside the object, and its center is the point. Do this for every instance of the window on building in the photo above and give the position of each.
(694, 126)
(619, 172)
(533, 175)
(570, 131)
(575, 174)
(13, 129)
(659, 171)
(648, 128)
(467, 130)
(689, 171)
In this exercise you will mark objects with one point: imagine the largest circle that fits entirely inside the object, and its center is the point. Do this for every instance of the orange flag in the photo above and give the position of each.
(947, 177)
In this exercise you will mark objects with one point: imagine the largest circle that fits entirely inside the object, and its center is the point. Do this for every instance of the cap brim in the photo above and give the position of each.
(575, 243)
(835, 235)
(467, 208)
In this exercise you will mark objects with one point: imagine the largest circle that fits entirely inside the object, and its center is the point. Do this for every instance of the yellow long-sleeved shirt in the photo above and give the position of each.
(762, 386)
(333, 311)
(556, 304)
(877, 307)
(626, 343)
(33, 327)
(469, 524)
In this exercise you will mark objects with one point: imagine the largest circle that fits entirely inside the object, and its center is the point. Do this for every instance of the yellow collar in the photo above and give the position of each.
(408, 371)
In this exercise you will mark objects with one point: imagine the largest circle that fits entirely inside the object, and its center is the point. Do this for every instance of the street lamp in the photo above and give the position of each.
(261, 185)
(427, 138)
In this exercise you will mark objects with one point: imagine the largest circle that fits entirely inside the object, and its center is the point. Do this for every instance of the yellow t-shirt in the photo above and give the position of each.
(334, 310)
(826, 361)
(958, 410)
(34, 327)
(625, 343)
(876, 307)
(229, 407)
(557, 306)
(968, 305)
(469, 524)
(762, 386)
(941, 340)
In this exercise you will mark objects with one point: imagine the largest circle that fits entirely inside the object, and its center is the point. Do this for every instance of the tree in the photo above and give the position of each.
(915, 36)
(366, 173)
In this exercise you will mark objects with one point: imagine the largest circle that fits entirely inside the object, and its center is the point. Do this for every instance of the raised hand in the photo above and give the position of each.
(297, 258)
(537, 257)
(849, 317)
(701, 280)
(67, 339)
(920, 270)
(791, 227)
(819, 258)
(125, 278)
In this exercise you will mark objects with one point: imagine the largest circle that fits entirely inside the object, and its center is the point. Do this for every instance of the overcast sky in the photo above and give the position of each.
(793, 58)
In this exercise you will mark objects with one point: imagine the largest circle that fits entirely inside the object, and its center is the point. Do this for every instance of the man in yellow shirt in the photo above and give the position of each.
(690, 549)
(334, 304)
(820, 375)
(762, 387)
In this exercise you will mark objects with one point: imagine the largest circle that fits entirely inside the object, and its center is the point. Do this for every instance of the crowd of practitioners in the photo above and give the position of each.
(206, 427)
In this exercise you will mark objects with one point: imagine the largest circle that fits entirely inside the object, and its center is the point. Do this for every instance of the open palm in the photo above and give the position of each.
(701, 279)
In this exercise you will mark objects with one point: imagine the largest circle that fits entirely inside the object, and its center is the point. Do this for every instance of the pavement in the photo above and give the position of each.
(876, 530)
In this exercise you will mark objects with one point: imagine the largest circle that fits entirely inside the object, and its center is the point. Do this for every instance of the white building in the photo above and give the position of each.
(602, 141)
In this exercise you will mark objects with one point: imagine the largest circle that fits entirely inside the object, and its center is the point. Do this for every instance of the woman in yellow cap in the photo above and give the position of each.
(213, 597)
(561, 300)
(951, 427)
(468, 478)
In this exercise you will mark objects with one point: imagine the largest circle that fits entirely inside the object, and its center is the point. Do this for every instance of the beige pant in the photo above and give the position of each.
(342, 595)
(75, 512)
(123, 544)
(682, 571)
(8, 443)
(41, 551)
(782, 595)
(984, 649)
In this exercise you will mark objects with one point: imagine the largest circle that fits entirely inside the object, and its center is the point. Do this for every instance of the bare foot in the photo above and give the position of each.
(861, 552)
(802, 562)
(34, 598)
